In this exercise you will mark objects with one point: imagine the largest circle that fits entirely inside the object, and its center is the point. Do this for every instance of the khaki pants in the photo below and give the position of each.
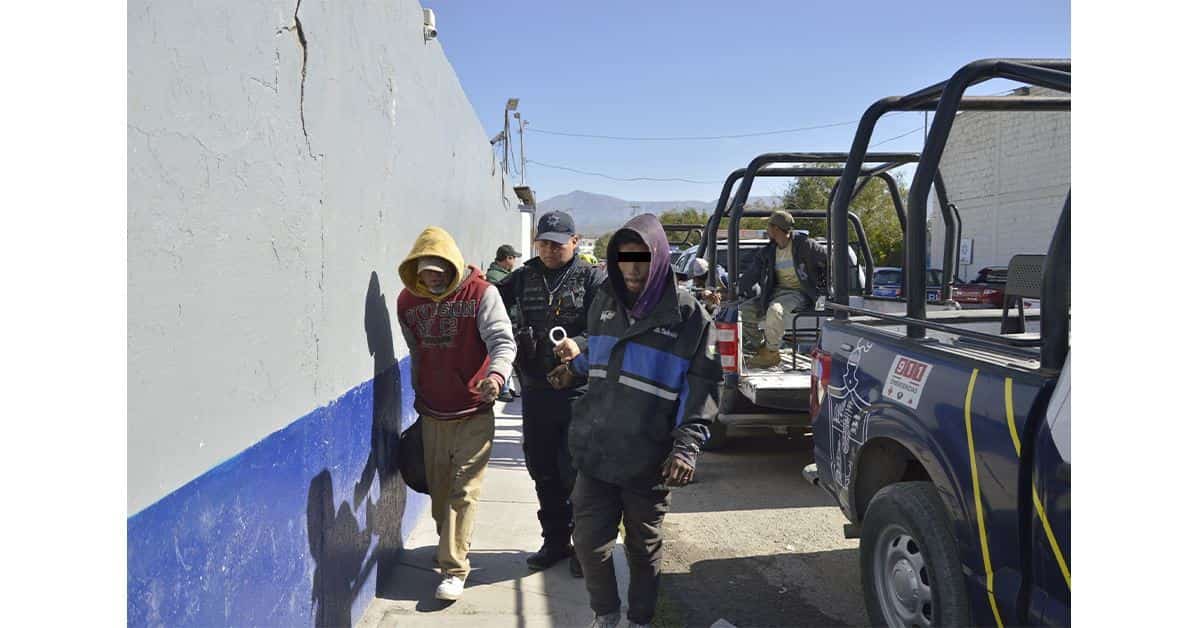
(456, 453)
(777, 320)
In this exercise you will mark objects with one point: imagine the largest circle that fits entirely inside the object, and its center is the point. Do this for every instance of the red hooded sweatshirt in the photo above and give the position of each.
(455, 338)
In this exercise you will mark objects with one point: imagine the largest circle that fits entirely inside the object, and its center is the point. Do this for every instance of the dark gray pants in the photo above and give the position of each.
(546, 413)
(599, 506)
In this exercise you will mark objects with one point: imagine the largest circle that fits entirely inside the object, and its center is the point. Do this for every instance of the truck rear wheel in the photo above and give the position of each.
(911, 571)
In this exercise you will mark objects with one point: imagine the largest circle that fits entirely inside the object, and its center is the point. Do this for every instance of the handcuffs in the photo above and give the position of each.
(558, 335)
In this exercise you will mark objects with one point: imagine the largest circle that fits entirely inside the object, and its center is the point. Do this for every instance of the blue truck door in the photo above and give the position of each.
(991, 415)
(1051, 595)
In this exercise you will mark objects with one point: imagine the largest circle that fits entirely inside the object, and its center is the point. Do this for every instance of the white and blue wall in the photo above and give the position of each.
(282, 158)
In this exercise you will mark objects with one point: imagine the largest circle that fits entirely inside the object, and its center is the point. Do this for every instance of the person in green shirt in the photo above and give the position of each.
(505, 262)
(782, 276)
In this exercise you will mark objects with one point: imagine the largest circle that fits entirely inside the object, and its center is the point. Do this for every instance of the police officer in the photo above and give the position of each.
(553, 289)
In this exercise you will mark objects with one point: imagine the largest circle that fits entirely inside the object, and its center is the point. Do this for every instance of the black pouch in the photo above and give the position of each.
(527, 346)
(412, 458)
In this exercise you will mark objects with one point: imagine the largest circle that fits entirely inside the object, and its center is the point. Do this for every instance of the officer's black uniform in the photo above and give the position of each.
(539, 299)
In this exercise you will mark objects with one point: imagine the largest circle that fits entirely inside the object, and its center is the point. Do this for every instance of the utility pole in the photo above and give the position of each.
(511, 105)
(521, 136)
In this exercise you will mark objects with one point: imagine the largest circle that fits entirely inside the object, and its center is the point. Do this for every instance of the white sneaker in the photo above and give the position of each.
(610, 620)
(450, 589)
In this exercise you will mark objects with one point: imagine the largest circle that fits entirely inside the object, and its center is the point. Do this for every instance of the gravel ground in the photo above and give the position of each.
(751, 543)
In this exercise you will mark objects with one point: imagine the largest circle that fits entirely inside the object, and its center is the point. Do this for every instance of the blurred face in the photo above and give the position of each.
(508, 263)
(634, 273)
(433, 280)
(778, 236)
(555, 255)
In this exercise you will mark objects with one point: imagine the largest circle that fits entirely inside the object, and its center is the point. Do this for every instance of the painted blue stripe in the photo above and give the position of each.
(665, 369)
(599, 350)
(276, 536)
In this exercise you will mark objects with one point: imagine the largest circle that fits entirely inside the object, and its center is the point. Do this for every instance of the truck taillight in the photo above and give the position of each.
(729, 345)
(822, 366)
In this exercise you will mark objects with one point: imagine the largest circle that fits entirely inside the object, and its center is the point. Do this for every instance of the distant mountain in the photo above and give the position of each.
(596, 214)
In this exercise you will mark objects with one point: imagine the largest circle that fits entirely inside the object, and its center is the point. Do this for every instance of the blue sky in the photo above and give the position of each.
(655, 69)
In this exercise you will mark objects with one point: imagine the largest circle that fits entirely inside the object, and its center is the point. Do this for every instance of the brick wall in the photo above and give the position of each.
(1008, 173)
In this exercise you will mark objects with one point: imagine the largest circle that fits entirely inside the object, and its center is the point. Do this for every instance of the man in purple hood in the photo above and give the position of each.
(652, 367)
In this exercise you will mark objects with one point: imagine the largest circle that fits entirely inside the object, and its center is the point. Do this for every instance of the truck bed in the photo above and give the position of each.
(778, 388)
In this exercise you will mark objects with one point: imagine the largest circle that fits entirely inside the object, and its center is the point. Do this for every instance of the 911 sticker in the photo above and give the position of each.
(906, 381)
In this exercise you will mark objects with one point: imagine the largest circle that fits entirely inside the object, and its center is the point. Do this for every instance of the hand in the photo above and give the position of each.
(677, 472)
(560, 377)
(711, 297)
(566, 350)
(488, 389)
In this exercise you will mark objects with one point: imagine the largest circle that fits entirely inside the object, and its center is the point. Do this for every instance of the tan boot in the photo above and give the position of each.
(765, 358)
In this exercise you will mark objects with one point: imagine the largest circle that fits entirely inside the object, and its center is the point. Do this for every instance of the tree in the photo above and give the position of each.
(693, 216)
(873, 206)
(601, 249)
(686, 216)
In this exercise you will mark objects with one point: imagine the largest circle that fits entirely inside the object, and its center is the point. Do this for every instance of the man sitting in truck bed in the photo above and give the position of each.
(785, 274)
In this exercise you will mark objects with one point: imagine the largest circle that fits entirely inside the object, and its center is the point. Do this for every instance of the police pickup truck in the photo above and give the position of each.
(945, 436)
(777, 398)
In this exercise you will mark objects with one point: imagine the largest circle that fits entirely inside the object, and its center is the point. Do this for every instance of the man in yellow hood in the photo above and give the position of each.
(461, 344)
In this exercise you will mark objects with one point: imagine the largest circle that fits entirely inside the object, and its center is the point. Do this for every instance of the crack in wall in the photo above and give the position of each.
(299, 28)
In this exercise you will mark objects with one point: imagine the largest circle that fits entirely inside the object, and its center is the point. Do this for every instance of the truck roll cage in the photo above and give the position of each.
(688, 230)
(946, 99)
(735, 209)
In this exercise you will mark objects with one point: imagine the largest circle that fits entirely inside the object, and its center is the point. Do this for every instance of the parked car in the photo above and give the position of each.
(886, 283)
(746, 249)
(986, 290)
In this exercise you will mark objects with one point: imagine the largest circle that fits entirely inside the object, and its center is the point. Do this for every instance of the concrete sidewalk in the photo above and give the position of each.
(501, 590)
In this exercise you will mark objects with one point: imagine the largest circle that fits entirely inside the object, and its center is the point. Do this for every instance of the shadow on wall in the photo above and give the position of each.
(343, 552)
(294, 529)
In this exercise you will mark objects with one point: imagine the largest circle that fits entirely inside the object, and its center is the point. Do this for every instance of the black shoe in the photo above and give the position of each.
(506, 397)
(548, 556)
(576, 568)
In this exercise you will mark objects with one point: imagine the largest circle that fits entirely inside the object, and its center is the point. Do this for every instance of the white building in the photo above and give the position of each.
(587, 245)
(1009, 174)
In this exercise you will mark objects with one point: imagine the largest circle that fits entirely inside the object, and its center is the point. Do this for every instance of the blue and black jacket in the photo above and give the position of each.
(652, 385)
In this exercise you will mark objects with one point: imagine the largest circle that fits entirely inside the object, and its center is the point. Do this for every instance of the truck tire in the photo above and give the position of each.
(911, 571)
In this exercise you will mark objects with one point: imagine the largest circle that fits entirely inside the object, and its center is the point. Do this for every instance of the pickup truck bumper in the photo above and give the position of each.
(810, 474)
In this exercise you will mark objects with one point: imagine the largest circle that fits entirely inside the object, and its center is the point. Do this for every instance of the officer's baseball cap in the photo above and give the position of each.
(555, 227)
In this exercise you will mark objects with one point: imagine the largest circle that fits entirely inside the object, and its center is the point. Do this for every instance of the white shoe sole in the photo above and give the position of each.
(448, 597)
